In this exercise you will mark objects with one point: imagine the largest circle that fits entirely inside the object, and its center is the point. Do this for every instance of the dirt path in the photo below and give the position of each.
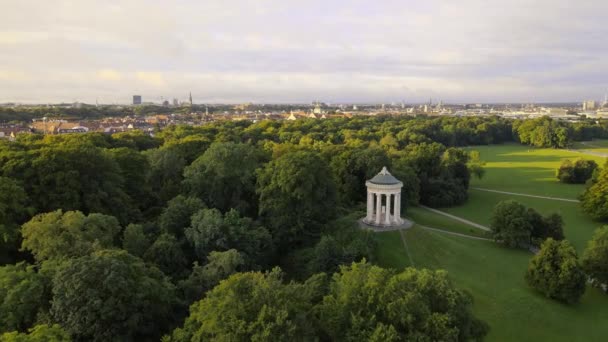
(453, 233)
(591, 153)
(407, 250)
(470, 223)
(528, 195)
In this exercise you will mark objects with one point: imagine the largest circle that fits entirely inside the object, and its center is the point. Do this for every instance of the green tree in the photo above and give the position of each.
(22, 297)
(353, 167)
(510, 224)
(175, 218)
(39, 333)
(77, 176)
(135, 170)
(555, 272)
(135, 241)
(576, 173)
(366, 302)
(212, 231)
(111, 295)
(13, 210)
(167, 255)
(254, 307)
(595, 257)
(594, 200)
(224, 177)
(219, 266)
(70, 234)
(297, 196)
(166, 170)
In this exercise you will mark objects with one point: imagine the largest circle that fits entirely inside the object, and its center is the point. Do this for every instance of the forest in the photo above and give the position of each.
(238, 230)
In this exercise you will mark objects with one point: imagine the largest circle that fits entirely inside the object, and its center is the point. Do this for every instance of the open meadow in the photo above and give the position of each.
(495, 275)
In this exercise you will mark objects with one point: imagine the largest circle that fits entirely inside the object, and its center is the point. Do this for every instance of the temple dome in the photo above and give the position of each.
(384, 178)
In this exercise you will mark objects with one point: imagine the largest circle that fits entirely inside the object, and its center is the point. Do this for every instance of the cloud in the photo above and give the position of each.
(109, 75)
(151, 78)
(271, 50)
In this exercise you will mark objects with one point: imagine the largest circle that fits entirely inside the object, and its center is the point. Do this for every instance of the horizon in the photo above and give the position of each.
(273, 52)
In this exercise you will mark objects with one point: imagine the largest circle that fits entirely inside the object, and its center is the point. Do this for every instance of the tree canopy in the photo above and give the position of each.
(556, 272)
(111, 295)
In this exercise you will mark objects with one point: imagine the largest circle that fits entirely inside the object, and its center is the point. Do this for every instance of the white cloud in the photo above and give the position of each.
(109, 75)
(271, 50)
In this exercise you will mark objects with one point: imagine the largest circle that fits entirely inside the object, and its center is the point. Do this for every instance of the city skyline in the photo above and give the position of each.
(299, 51)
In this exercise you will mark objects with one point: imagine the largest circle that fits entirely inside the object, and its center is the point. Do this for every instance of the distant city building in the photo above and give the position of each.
(190, 99)
(589, 105)
(175, 103)
(136, 99)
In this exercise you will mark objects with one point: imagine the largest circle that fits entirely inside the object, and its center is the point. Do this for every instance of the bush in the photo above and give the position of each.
(576, 173)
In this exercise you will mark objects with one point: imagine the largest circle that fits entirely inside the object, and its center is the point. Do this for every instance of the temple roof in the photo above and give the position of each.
(384, 178)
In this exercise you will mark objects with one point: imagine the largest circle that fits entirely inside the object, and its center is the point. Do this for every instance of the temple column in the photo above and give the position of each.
(398, 208)
(387, 217)
(370, 206)
(378, 207)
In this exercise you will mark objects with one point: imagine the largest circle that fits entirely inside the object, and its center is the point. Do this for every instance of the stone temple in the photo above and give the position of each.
(384, 202)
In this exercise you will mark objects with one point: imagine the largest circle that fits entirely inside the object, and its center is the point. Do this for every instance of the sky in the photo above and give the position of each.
(293, 51)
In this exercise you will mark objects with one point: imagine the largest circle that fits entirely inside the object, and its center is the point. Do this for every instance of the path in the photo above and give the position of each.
(590, 153)
(454, 233)
(528, 195)
(470, 223)
(407, 250)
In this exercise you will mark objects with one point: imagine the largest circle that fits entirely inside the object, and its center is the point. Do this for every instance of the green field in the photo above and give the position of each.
(493, 274)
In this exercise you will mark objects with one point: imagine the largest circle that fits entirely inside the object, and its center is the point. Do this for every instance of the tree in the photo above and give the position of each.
(297, 196)
(135, 170)
(556, 272)
(510, 224)
(135, 241)
(77, 176)
(254, 307)
(167, 255)
(13, 210)
(175, 218)
(224, 177)
(39, 333)
(594, 200)
(577, 173)
(211, 231)
(22, 297)
(70, 234)
(366, 302)
(595, 257)
(111, 295)
(166, 170)
(353, 167)
(219, 266)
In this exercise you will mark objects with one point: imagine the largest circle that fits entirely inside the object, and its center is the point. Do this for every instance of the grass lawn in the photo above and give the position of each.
(494, 275)
(518, 168)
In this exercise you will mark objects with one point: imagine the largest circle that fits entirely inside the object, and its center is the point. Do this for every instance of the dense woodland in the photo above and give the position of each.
(237, 230)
